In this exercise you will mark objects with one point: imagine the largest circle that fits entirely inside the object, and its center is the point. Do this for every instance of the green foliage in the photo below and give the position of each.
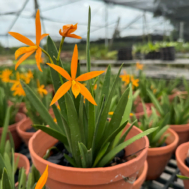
(178, 108)
(154, 121)
(4, 107)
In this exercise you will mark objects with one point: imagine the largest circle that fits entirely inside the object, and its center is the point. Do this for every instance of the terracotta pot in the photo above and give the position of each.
(142, 176)
(139, 107)
(181, 154)
(50, 89)
(140, 114)
(182, 131)
(20, 106)
(22, 127)
(158, 157)
(97, 178)
(12, 129)
(22, 162)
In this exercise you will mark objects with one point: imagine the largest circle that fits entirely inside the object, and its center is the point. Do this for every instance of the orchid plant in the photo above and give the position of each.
(82, 123)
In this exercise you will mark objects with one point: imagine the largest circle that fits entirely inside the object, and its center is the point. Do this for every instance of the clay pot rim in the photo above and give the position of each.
(181, 127)
(178, 152)
(86, 170)
(12, 126)
(22, 132)
(163, 149)
(143, 175)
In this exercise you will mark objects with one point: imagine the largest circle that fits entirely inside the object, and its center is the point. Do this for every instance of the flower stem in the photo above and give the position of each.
(60, 49)
(52, 63)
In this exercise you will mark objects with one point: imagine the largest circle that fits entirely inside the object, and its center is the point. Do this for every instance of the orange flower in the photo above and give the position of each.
(43, 179)
(139, 66)
(28, 51)
(5, 76)
(73, 82)
(134, 81)
(40, 89)
(95, 87)
(110, 113)
(125, 77)
(67, 31)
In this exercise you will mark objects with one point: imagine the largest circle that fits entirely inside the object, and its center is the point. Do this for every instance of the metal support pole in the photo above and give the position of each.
(181, 32)
(106, 25)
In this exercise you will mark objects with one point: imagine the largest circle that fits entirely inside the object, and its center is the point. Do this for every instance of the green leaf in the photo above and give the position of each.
(155, 102)
(85, 155)
(71, 160)
(52, 50)
(100, 128)
(5, 128)
(73, 123)
(88, 41)
(40, 108)
(101, 153)
(5, 180)
(121, 146)
(58, 118)
(59, 136)
(183, 177)
(22, 180)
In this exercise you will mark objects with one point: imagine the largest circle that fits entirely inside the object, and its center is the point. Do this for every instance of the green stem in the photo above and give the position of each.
(52, 63)
(60, 49)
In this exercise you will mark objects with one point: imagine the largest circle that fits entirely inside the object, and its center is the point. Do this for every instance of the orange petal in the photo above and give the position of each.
(85, 92)
(44, 35)
(23, 50)
(26, 55)
(61, 91)
(22, 38)
(60, 70)
(74, 36)
(75, 88)
(74, 62)
(43, 179)
(38, 27)
(89, 75)
(38, 58)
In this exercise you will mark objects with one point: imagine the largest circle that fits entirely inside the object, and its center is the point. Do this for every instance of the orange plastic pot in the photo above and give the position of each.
(142, 176)
(118, 176)
(182, 131)
(25, 124)
(158, 157)
(23, 162)
(140, 114)
(12, 129)
(181, 154)
(139, 107)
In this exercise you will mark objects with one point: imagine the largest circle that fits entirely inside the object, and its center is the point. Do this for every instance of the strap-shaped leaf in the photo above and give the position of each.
(73, 123)
(5, 128)
(22, 180)
(59, 136)
(40, 108)
(120, 147)
(52, 50)
(155, 102)
(101, 154)
(5, 180)
(71, 160)
(58, 118)
(85, 155)
(100, 127)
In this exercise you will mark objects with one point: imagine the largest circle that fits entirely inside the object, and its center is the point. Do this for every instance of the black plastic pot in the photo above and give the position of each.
(167, 53)
(125, 54)
(153, 55)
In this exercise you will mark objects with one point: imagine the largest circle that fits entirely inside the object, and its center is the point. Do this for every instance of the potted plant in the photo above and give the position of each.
(24, 128)
(15, 118)
(162, 142)
(91, 140)
(179, 117)
(181, 156)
